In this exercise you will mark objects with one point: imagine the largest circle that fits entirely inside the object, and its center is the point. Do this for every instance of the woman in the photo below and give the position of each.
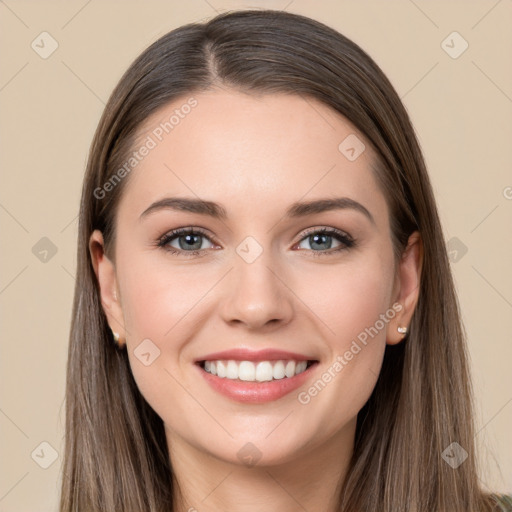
(264, 314)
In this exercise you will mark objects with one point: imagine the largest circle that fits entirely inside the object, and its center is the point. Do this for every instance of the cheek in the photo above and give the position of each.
(165, 302)
(351, 297)
(355, 310)
(158, 295)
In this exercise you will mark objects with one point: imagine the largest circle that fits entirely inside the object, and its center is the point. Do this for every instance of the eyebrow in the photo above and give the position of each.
(217, 211)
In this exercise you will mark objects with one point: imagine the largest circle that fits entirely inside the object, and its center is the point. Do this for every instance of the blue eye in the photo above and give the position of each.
(190, 241)
(322, 238)
(187, 239)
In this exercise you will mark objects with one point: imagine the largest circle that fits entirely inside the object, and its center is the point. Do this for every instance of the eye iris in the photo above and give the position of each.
(190, 240)
(190, 244)
(313, 240)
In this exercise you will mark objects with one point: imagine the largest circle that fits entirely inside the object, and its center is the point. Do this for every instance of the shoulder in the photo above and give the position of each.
(503, 502)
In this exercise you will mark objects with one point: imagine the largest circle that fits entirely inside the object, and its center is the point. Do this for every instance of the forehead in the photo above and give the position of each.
(253, 151)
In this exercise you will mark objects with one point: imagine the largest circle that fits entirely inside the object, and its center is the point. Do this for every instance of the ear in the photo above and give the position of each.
(109, 291)
(407, 287)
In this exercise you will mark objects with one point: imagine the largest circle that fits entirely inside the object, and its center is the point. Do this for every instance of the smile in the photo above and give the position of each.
(251, 371)
(265, 381)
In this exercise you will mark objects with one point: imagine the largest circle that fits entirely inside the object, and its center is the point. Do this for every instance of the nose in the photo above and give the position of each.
(256, 294)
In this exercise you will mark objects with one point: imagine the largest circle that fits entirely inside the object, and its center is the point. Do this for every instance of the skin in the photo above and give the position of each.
(255, 155)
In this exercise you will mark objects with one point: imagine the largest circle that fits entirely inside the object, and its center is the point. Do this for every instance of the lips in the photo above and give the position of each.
(242, 354)
(269, 387)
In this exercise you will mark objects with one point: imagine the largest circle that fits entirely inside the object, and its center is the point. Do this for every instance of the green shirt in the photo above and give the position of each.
(504, 503)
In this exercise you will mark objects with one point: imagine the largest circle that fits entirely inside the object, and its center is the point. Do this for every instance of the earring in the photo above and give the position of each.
(402, 330)
(116, 337)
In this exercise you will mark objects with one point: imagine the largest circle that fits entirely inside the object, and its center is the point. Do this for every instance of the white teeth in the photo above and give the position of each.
(264, 371)
(300, 367)
(290, 369)
(232, 370)
(246, 371)
(249, 371)
(278, 371)
(221, 369)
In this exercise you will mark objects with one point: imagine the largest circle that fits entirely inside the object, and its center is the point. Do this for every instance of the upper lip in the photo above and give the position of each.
(243, 354)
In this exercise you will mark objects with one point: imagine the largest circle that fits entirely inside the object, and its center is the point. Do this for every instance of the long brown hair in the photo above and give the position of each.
(116, 455)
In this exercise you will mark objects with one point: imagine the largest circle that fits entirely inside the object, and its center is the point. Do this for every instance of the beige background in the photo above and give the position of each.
(461, 109)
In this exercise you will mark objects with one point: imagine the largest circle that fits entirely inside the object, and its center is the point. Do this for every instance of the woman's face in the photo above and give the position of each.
(264, 279)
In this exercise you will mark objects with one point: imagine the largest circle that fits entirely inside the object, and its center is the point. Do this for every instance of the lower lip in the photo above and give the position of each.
(256, 392)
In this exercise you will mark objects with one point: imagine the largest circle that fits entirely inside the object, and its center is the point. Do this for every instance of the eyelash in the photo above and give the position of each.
(346, 240)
